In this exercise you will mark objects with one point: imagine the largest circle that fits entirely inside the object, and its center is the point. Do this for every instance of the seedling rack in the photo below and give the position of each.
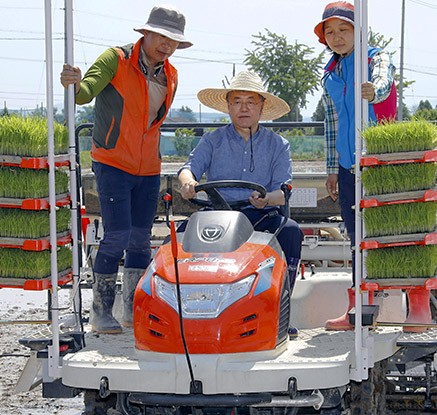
(417, 289)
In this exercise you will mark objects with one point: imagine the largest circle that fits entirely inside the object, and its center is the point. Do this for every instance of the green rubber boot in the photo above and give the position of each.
(103, 300)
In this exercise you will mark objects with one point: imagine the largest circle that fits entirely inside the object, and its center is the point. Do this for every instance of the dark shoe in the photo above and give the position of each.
(293, 333)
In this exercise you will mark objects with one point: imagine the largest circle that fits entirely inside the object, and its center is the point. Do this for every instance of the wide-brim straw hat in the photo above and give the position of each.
(215, 98)
(339, 10)
(169, 22)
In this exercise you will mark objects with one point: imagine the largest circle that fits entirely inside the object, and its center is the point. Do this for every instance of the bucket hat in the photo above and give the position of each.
(338, 10)
(167, 21)
(215, 98)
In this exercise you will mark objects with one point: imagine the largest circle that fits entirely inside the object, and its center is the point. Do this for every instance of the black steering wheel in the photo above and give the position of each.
(216, 200)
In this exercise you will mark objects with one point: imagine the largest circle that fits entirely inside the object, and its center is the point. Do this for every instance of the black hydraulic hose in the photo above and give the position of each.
(174, 249)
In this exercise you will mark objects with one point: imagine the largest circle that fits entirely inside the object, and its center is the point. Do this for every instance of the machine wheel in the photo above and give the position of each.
(95, 405)
(332, 411)
(369, 396)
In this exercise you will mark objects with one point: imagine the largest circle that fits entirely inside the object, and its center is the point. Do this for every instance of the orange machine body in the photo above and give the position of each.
(256, 321)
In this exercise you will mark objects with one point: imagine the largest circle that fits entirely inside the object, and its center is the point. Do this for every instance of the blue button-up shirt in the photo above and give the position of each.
(224, 155)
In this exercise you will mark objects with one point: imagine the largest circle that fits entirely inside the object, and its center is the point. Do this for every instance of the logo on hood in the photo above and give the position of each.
(211, 233)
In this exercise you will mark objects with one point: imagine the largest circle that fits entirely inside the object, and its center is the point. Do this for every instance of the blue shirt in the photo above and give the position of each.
(224, 155)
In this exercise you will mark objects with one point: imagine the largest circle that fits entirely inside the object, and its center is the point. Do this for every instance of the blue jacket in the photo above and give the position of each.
(340, 87)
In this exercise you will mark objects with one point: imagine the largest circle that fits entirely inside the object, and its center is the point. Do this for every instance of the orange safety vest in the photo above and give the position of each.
(120, 135)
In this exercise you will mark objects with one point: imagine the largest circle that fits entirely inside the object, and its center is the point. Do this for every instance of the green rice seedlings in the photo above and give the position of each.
(400, 219)
(397, 178)
(16, 263)
(28, 224)
(28, 137)
(61, 139)
(402, 262)
(417, 135)
(21, 183)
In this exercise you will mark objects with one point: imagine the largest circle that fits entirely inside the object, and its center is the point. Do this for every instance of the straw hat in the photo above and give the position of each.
(215, 98)
(338, 10)
(169, 22)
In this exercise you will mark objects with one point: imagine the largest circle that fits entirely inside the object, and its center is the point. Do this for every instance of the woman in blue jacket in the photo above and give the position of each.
(336, 31)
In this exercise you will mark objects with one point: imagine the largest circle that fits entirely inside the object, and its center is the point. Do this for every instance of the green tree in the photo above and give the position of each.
(289, 70)
(378, 40)
(406, 112)
(424, 105)
(59, 117)
(428, 114)
(319, 115)
(183, 141)
(187, 113)
(85, 114)
(5, 111)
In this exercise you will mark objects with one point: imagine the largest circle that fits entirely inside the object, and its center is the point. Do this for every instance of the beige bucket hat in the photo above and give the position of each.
(169, 22)
(215, 98)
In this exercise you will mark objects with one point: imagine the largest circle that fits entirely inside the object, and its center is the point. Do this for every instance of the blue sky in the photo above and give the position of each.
(220, 30)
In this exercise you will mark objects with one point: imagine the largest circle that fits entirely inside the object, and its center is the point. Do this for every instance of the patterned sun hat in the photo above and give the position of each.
(338, 10)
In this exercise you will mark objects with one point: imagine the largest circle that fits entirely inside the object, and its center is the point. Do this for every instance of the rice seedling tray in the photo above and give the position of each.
(40, 244)
(34, 204)
(401, 263)
(399, 158)
(397, 178)
(399, 240)
(429, 195)
(36, 163)
(398, 284)
(400, 219)
(64, 277)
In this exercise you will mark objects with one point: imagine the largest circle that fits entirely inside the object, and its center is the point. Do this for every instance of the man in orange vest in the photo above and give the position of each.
(134, 87)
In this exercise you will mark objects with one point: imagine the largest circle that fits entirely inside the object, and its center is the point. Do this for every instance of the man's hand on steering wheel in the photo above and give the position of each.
(257, 201)
(216, 200)
(187, 190)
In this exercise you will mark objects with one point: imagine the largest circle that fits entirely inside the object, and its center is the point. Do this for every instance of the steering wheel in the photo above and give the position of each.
(216, 200)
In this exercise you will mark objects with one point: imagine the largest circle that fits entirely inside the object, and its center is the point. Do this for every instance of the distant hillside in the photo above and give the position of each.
(213, 117)
(177, 115)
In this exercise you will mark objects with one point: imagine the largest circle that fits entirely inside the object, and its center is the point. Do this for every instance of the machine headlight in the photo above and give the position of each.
(203, 300)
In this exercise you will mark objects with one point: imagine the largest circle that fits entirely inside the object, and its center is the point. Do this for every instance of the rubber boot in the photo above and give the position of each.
(103, 300)
(293, 266)
(419, 309)
(342, 323)
(131, 276)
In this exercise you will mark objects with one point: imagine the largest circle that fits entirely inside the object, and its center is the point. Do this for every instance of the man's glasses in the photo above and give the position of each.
(250, 103)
